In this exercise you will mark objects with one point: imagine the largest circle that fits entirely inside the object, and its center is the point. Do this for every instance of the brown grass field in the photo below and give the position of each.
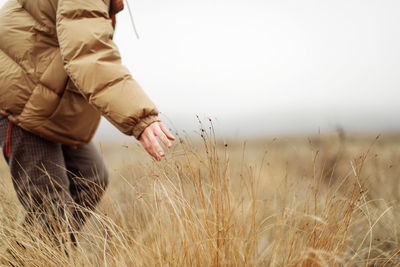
(289, 201)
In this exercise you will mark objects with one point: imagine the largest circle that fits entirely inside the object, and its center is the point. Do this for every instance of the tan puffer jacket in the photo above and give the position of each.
(60, 71)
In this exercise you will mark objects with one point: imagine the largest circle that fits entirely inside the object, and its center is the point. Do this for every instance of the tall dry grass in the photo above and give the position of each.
(321, 201)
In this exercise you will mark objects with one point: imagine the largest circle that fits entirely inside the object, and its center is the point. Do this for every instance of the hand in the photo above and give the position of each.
(150, 143)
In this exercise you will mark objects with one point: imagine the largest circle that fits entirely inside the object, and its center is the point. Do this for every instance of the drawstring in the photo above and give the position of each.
(114, 11)
(8, 140)
(132, 21)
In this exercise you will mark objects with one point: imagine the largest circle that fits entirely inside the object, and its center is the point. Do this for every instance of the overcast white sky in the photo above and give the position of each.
(267, 67)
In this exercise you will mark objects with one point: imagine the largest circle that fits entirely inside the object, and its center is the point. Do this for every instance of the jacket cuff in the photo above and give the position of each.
(139, 128)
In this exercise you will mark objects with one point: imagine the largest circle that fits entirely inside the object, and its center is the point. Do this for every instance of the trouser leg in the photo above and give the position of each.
(88, 178)
(38, 173)
(53, 182)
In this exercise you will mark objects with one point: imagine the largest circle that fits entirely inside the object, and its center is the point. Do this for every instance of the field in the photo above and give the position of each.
(322, 200)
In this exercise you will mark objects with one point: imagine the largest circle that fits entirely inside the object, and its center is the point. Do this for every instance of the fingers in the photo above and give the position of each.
(147, 146)
(163, 137)
(165, 130)
(156, 146)
(150, 143)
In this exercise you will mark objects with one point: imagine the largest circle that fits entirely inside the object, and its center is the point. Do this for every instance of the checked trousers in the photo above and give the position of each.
(53, 181)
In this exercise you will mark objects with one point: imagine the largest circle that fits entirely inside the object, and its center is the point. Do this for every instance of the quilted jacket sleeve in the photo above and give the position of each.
(92, 61)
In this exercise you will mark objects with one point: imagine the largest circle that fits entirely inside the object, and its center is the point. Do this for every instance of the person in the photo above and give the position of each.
(60, 71)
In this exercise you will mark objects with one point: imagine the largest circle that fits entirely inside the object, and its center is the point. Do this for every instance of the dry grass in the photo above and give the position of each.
(320, 201)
